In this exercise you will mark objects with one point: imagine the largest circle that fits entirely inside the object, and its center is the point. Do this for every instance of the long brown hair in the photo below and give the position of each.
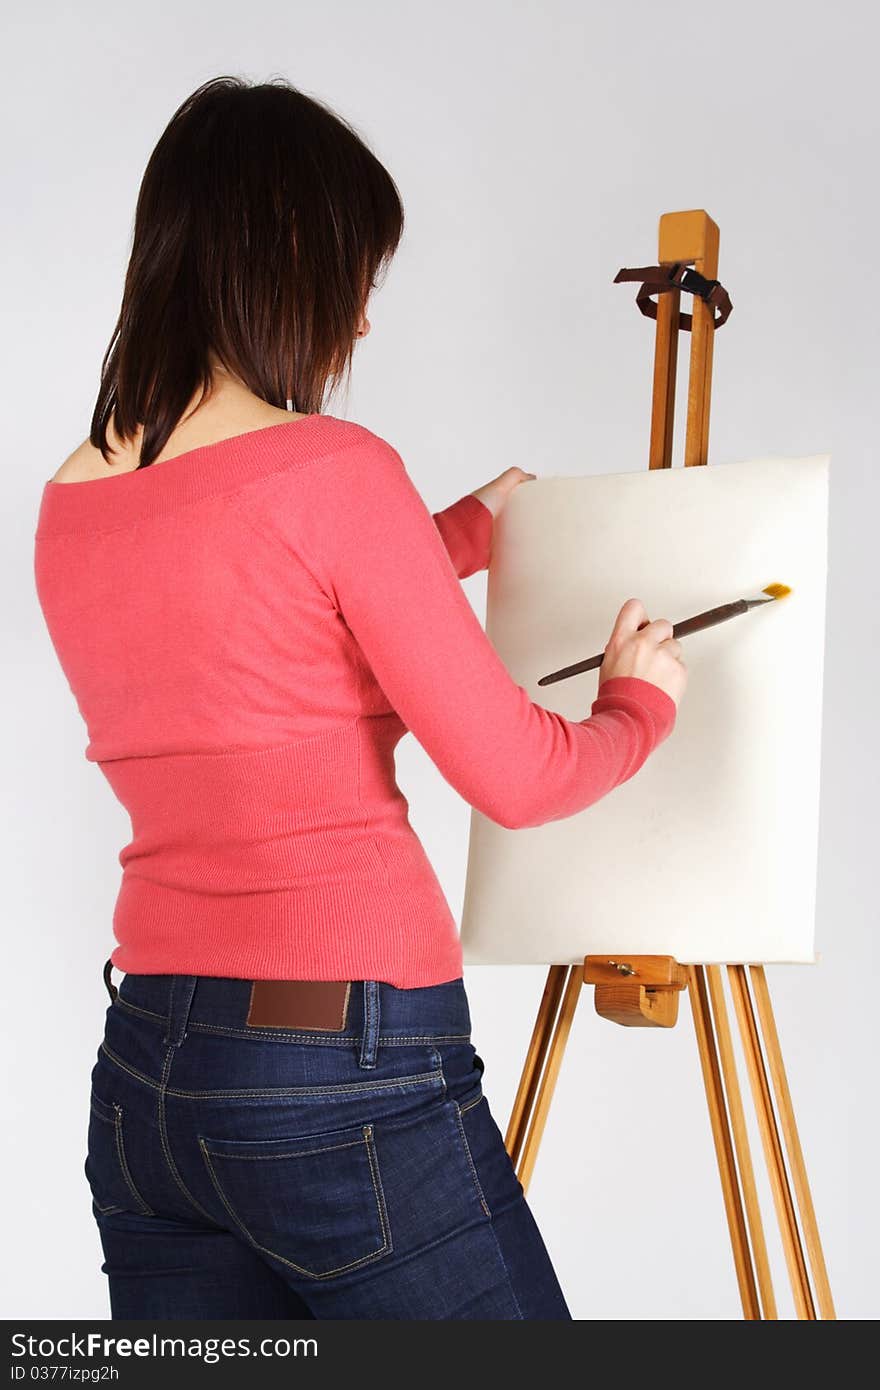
(262, 222)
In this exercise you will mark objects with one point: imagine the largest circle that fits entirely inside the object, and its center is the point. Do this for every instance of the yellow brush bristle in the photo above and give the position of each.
(777, 590)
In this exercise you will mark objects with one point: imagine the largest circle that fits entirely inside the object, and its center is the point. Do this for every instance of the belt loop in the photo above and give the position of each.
(370, 1039)
(179, 1003)
(111, 988)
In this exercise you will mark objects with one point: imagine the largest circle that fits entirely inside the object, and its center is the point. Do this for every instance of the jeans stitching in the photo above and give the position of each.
(378, 1194)
(279, 1035)
(373, 1160)
(459, 1111)
(369, 1048)
(108, 1207)
(121, 1003)
(123, 1164)
(470, 1159)
(385, 1040)
(257, 1158)
(102, 1109)
(354, 1087)
(438, 1062)
(167, 1035)
(163, 1137)
(107, 1210)
(471, 1103)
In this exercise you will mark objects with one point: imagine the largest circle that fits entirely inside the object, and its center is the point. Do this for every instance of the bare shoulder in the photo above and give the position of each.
(204, 427)
(87, 462)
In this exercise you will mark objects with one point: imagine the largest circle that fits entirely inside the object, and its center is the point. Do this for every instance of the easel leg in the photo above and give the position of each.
(665, 360)
(528, 1085)
(741, 1142)
(785, 1212)
(742, 1258)
(718, 1063)
(696, 448)
(573, 986)
(792, 1142)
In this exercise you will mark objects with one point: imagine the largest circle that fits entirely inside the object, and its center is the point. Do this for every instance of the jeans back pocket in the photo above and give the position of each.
(106, 1166)
(315, 1202)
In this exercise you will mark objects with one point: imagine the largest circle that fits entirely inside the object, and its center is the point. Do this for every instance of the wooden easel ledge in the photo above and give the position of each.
(640, 992)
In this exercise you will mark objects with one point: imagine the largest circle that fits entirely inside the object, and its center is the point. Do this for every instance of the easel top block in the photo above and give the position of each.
(689, 236)
(656, 971)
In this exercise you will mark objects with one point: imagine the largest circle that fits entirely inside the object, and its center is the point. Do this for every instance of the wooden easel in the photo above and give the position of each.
(644, 990)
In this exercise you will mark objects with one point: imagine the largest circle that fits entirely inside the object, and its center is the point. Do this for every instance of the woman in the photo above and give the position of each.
(252, 605)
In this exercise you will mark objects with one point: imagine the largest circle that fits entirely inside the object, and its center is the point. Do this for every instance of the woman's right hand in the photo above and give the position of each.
(644, 649)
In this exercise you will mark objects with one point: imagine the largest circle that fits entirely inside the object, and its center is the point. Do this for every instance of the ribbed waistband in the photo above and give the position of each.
(429, 1013)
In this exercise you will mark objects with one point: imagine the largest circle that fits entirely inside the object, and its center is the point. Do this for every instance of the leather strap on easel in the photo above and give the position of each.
(657, 279)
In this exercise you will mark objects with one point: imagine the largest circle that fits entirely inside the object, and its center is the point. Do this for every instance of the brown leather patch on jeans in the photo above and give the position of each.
(310, 1005)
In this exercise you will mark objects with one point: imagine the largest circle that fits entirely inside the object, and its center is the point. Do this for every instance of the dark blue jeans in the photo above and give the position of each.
(260, 1173)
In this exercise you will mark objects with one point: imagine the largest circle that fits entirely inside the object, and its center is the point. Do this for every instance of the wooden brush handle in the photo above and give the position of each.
(710, 618)
(683, 629)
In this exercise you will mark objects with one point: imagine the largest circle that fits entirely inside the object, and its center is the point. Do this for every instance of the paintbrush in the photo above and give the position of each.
(683, 629)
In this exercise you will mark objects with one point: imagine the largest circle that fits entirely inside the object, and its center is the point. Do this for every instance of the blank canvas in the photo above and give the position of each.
(709, 852)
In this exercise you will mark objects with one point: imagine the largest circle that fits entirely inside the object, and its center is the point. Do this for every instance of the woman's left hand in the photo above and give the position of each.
(493, 495)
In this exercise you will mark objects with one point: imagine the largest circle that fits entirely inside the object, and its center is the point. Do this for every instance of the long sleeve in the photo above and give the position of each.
(466, 531)
(368, 538)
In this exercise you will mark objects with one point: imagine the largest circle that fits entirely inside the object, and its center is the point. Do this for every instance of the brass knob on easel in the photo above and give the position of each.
(622, 968)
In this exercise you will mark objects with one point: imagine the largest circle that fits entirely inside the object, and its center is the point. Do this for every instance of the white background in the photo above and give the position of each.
(535, 146)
